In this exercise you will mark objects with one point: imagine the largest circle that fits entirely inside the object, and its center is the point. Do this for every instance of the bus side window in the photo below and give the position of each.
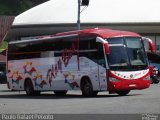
(88, 48)
(100, 55)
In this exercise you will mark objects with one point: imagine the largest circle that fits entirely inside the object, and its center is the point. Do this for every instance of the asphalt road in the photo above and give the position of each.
(140, 101)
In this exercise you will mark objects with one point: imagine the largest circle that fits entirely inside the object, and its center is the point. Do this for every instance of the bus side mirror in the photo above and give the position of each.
(151, 44)
(105, 43)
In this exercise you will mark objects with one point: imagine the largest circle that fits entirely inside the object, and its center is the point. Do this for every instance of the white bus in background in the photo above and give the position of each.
(90, 60)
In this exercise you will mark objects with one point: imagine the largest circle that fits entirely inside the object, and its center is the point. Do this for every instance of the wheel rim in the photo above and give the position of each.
(87, 90)
(28, 89)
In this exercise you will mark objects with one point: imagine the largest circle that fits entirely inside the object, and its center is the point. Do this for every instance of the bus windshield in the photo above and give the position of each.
(126, 53)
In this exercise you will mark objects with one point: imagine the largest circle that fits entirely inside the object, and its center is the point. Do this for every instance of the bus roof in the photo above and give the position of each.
(101, 32)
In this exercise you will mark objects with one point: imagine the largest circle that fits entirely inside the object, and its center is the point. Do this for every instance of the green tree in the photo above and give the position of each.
(3, 46)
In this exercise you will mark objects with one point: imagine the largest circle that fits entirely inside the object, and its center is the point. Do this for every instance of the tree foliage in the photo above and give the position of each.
(3, 46)
(15, 7)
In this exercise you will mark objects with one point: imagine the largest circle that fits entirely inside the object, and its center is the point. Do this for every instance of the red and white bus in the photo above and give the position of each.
(90, 60)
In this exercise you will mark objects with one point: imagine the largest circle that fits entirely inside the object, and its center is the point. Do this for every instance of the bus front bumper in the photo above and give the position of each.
(128, 85)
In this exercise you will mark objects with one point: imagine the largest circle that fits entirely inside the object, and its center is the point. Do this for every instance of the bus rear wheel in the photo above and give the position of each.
(123, 93)
(87, 89)
(28, 86)
(60, 92)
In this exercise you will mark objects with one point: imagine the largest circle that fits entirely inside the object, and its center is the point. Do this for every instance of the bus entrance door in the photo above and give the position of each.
(101, 67)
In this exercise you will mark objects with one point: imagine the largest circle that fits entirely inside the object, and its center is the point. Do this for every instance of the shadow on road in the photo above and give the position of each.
(53, 96)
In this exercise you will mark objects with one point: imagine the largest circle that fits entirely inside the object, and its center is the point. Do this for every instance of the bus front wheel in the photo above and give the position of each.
(28, 86)
(123, 93)
(87, 89)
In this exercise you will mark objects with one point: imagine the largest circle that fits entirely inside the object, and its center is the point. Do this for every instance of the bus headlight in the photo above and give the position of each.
(111, 79)
(147, 78)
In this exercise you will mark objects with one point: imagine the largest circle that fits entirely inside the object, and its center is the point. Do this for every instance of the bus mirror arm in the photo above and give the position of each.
(106, 45)
(151, 44)
(107, 49)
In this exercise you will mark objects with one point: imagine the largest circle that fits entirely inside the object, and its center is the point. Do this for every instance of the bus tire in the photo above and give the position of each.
(123, 93)
(152, 80)
(60, 92)
(87, 88)
(28, 87)
(37, 92)
(95, 93)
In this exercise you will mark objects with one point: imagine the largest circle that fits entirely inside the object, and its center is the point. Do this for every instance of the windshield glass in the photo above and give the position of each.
(135, 51)
(126, 53)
